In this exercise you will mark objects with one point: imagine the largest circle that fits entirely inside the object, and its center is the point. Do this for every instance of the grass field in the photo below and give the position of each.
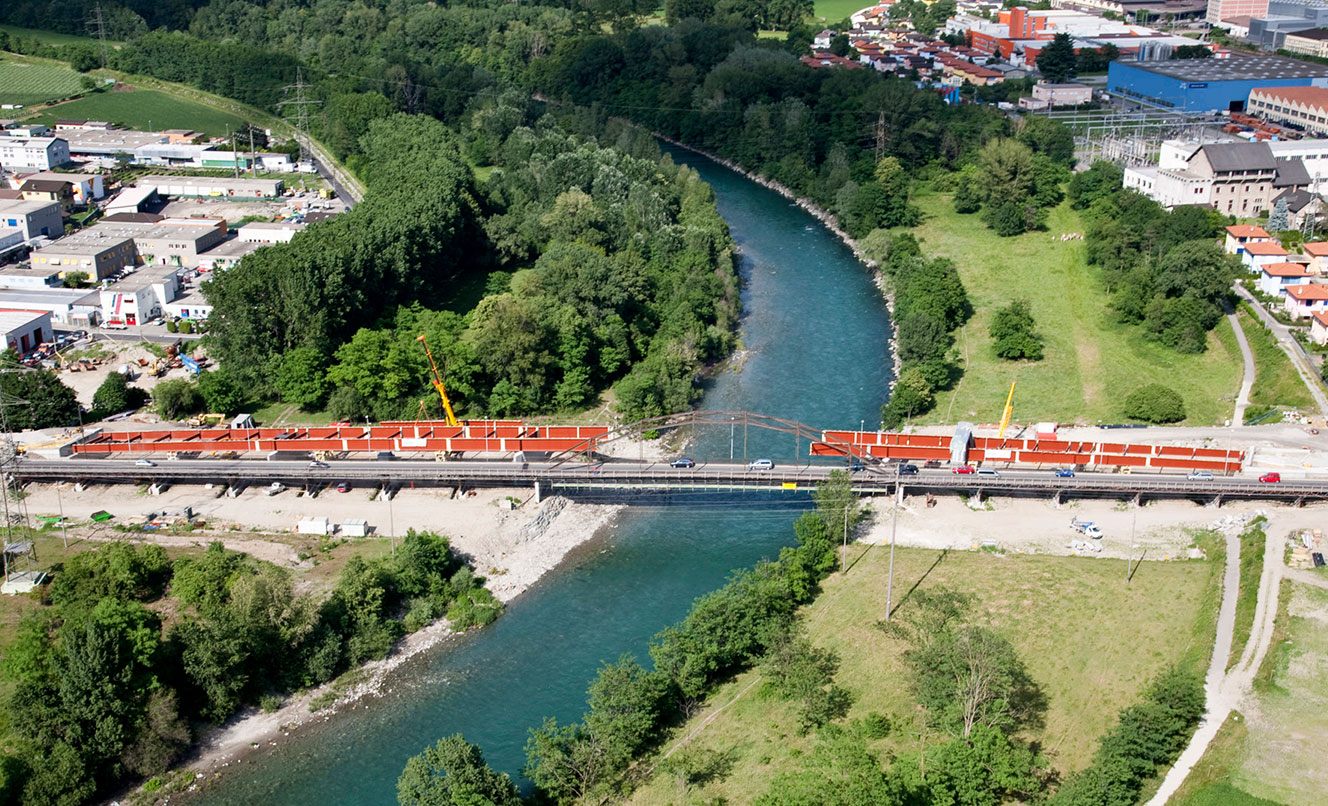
(1272, 753)
(836, 10)
(49, 37)
(1092, 362)
(28, 83)
(1089, 641)
(1276, 382)
(146, 110)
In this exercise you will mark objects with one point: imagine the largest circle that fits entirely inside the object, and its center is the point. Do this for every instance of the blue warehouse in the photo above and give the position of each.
(1208, 85)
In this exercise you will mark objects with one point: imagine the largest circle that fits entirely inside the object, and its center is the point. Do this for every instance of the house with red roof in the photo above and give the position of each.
(1275, 277)
(1241, 234)
(1319, 327)
(1305, 300)
(1258, 254)
(1317, 251)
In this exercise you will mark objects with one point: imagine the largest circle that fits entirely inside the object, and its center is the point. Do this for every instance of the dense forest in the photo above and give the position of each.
(131, 651)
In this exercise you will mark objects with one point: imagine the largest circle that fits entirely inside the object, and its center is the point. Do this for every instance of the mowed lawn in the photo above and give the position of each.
(1276, 382)
(1092, 362)
(836, 10)
(49, 37)
(145, 110)
(27, 83)
(1090, 642)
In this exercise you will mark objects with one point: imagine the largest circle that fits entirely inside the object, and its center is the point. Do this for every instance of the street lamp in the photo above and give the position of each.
(894, 525)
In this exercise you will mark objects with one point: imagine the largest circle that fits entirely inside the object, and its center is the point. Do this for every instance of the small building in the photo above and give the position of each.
(140, 296)
(269, 232)
(33, 218)
(1070, 94)
(24, 330)
(49, 190)
(65, 305)
(131, 200)
(36, 153)
(1317, 251)
(355, 527)
(1312, 42)
(1260, 253)
(1275, 277)
(180, 136)
(1304, 300)
(96, 254)
(16, 277)
(189, 305)
(1241, 234)
(227, 254)
(1319, 327)
(87, 187)
(313, 526)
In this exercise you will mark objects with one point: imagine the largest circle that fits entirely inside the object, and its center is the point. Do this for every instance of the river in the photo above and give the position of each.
(816, 332)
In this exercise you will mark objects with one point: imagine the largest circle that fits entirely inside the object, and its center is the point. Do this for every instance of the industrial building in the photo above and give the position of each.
(1303, 107)
(34, 219)
(99, 255)
(66, 305)
(196, 187)
(1219, 10)
(1209, 85)
(24, 330)
(269, 232)
(139, 297)
(1313, 42)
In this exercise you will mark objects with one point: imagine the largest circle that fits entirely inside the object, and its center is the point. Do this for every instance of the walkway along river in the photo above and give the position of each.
(816, 334)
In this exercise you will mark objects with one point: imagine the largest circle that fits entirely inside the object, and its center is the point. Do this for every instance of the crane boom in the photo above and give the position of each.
(1005, 415)
(438, 382)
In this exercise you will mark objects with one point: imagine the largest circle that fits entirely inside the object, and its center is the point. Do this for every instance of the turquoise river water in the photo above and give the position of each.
(817, 334)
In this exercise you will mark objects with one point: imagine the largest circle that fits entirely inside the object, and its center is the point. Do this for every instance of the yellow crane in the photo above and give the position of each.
(1005, 415)
(438, 383)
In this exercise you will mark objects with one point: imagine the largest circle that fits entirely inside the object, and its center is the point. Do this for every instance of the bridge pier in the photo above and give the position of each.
(1217, 501)
(80, 487)
(157, 488)
(1138, 500)
(537, 492)
(1300, 501)
(1056, 499)
(387, 493)
(234, 490)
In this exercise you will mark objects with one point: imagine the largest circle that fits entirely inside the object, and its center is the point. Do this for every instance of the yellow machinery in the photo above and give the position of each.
(1005, 415)
(438, 383)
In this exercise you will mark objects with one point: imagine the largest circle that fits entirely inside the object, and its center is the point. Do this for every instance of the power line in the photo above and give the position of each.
(300, 104)
(98, 25)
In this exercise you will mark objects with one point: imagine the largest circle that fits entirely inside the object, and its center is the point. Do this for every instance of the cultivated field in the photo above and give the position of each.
(1089, 641)
(147, 110)
(1092, 362)
(1272, 751)
(27, 83)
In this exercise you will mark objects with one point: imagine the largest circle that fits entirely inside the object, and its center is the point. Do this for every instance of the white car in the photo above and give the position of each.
(145, 463)
(1200, 475)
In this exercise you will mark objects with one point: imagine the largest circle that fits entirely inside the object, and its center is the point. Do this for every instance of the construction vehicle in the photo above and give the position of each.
(1005, 415)
(1086, 528)
(438, 383)
(203, 420)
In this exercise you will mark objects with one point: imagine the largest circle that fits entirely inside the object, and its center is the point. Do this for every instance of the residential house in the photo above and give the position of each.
(1071, 94)
(1240, 234)
(1304, 300)
(36, 153)
(1318, 255)
(49, 190)
(1275, 277)
(87, 187)
(1319, 327)
(1262, 253)
(822, 40)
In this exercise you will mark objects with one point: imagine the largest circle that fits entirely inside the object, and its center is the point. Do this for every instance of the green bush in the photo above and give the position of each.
(1155, 403)
(171, 326)
(186, 326)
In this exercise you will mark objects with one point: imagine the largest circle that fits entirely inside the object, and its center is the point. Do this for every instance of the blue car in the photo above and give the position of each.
(1065, 472)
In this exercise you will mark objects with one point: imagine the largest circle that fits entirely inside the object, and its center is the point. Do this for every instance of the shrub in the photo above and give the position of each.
(171, 326)
(1155, 403)
(186, 326)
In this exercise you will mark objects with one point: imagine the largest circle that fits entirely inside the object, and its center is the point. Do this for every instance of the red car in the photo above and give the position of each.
(1270, 478)
(964, 470)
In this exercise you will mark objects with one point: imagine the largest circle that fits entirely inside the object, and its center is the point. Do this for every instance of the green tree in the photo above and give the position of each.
(567, 763)
(836, 504)
(453, 773)
(912, 395)
(1012, 333)
(47, 402)
(75, 279)
(1056, 61)
(1101, 180)
(115, 395)
(1155, 403)
(176, 398)
(1280, 219)
(840, 771)
(301, 377)
(801, 672)
(624, 708)
(221, 392)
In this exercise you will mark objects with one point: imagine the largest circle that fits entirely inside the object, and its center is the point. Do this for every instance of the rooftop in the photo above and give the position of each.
(44, 186)
(1239, 156)
(1285, 270)
(1247, 231)
(13, 320)
(1315, 248)
(1264, 248)
(1321, 317)
(1236, 67)
(1309, 292)
(1309, 96)
(17, 297)
(1318, 34)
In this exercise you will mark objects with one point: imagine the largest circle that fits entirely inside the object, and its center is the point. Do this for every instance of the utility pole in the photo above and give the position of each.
(251, 149)
(843, 555)
(880, 135)
(64, 528)
(297, 111)
(235, 157)
(894, 527)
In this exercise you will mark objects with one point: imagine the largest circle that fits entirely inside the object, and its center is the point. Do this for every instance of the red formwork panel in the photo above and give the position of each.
(1123, 461)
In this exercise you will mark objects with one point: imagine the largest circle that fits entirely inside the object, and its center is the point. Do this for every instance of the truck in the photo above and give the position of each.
(1086, 528)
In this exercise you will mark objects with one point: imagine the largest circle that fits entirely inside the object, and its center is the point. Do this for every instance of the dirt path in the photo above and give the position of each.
(1225, 692)
(1292, 349)
(1247, 382)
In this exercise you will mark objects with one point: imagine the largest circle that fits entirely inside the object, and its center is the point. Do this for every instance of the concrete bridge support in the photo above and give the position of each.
(157, 488)
(537, 492)
(234, 490)
(80, 487)
(386, 493)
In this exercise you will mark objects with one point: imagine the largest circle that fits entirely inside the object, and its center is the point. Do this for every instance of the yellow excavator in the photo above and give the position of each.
(438, 382)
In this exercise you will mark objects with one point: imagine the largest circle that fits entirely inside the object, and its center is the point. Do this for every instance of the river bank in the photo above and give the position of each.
(831, 224)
